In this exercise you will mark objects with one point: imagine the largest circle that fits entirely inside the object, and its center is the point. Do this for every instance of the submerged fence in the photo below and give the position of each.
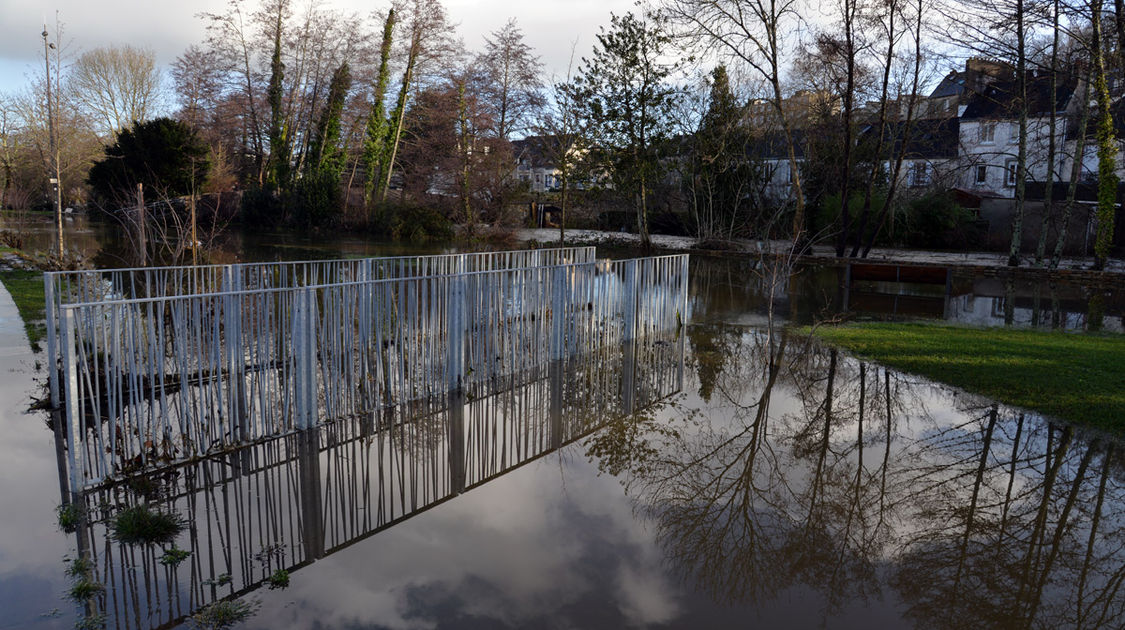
(98, 285)
(164, 379)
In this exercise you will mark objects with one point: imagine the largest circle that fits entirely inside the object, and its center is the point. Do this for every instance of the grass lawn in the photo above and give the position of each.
(1076, 377)
(26, 288)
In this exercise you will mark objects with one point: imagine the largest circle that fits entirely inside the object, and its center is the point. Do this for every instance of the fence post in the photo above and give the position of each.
(232, 325)
(558, 312)
(308, 471)
(629, 301)
(52, 315)
(629, 335)
(74, 429)
(304, 347)
(455, 377)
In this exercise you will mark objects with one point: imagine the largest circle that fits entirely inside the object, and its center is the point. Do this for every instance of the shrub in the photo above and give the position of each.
(316, 200)
(935, 220)
(410, 222)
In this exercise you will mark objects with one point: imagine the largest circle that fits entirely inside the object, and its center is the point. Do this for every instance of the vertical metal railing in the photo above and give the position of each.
(161, 380)
(96, 285)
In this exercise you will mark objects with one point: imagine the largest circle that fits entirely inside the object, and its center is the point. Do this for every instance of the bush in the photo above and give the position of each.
(410, 222)
(261, 207)
(936, 221)
(315, 201)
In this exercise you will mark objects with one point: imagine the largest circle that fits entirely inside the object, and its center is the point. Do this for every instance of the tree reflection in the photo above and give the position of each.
(812, 470)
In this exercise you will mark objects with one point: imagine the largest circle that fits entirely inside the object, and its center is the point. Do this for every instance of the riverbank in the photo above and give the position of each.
(1075, 377)
(818, 253)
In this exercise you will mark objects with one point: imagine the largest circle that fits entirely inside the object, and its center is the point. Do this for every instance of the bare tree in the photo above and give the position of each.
(755, 33)
(561, 136)
(512, 88)
(118, 85)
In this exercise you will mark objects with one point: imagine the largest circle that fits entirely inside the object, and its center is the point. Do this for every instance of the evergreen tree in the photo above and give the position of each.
(629, 104)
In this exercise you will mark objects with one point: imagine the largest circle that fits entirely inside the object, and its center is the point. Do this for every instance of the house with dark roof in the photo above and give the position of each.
(532, 165)
(929, 148)
(989, 132)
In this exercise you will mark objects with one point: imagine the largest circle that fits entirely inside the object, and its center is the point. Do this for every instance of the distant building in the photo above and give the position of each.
(533, 167)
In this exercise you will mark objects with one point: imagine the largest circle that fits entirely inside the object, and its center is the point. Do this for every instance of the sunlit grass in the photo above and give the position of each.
(1076, 377)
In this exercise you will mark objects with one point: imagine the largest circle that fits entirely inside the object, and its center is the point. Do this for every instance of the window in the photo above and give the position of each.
(1009, 173)
(920, 174)
(988, 133)
(982, 175)
(1013, 133)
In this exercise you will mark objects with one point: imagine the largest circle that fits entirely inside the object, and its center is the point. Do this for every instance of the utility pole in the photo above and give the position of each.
(56, 181)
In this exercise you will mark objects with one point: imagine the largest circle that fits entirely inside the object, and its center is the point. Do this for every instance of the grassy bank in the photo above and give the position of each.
(26, 288)
(1075, 377)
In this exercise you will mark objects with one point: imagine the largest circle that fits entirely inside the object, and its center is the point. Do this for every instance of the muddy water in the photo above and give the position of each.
(747, 480)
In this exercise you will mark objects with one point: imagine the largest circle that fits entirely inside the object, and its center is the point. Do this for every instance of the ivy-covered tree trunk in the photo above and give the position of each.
(326, 157)
(375, 137)
(394, 131)
(278, 175)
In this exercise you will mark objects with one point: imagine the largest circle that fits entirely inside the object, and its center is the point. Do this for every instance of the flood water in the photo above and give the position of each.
(730, 478)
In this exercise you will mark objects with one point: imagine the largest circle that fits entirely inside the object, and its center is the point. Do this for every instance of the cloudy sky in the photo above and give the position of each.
(169, 26)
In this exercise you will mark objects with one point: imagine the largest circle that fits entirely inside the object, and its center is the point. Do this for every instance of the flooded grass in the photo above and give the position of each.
(1075, 377)
(141, 526)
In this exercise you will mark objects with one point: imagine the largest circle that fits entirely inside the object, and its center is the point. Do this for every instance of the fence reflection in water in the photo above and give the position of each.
(162, 380)
(290, 500)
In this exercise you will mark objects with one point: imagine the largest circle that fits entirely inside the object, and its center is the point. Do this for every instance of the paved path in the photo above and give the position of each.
(880, 254)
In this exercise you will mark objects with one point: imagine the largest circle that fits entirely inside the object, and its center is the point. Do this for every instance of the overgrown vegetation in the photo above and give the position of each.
(1074, 377)
(139, 525)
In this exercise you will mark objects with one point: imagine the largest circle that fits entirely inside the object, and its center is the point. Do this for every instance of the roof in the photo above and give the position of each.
(531, 151)
(930, 138)
(998, 100)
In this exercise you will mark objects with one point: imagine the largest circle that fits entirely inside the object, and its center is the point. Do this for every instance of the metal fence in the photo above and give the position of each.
(97, 285)
(288, 501)
(151, 381)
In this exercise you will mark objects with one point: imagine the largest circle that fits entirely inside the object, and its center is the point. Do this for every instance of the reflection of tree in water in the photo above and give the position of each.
(811, 469)
(1033, 546)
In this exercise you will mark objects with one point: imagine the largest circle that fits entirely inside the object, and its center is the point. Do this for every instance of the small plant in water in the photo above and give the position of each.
(84, 589)
(140, 525)
(224, 614)
(79, 567)
(218, 581)
(69, 516)
(174, 556)
(279, 579)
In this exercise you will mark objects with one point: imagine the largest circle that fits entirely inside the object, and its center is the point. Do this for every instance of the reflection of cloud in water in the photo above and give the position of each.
(514, 554)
